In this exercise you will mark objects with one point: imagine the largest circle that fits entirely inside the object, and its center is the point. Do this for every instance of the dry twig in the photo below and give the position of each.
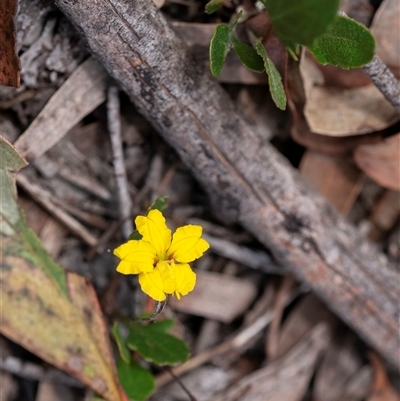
(114, 126)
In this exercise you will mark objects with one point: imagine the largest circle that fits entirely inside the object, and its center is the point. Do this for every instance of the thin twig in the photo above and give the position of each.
(238, 341)
(258, 260)
(179, 381)
(114, 127)
(384, 80)
(45, 199)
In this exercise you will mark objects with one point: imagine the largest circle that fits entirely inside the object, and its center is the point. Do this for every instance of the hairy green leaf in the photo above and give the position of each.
(219, 48)
(137, 382)
(300, 21)
(274, 78)
(346, 44)
(213, 6)
(155, 345)
(248, 56)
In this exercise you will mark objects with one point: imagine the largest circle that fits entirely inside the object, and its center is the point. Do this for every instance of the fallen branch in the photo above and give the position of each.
(247, 179)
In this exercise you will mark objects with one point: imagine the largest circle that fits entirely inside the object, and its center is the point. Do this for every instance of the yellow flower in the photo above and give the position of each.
(161, 261)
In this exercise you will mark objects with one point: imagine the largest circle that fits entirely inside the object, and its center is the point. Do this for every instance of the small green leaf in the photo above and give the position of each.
(346, 44)
(248, 56)
(219, 48)
(300, 21)
(122, 348)
(155, 345)
(159, 204)
(274, 78)
(137, 382)
(213, 6)
(135, 236)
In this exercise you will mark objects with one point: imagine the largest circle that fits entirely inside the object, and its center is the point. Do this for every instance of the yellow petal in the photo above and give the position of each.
(187, 245)
(167, 276)
(136, 257)
(185, 279)
(154, 230)
(152, 285)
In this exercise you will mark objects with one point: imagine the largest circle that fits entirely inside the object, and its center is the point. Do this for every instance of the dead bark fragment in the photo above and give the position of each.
(246, 178)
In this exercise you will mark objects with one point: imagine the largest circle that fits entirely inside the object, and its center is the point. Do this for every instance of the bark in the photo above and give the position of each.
(247, 179)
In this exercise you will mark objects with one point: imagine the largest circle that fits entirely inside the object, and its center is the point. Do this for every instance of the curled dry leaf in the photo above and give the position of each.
(343, 112)
(381, 161)
(10, 65)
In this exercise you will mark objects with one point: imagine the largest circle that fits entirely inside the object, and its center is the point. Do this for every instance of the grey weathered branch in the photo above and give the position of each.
(384, 80)
(246, 178)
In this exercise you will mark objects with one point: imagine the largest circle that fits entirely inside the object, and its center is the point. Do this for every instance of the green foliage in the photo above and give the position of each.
(154, 344)
(219, 48)
(248, 56)
(159, 204)
(274, 78)
(300, 21)
(213, 6)
(122, 348)
(137, 382)
(346, 44)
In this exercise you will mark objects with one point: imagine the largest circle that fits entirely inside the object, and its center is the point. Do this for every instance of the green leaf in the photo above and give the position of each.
(248, 56)
(213, 6)
(346, 44)
(122, 348)
(135, 236)
(219, 48)
(160, 204)
(137, 382)
(155, 345)
(300, 21)
(274, 78)
(52, 313)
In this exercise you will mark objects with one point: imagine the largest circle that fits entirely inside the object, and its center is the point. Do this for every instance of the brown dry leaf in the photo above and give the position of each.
(335, 177)
(343, 112)
(217, 296)
(385, 214)
(10, 65)
(381, 390)
(83, 91)
(386, 29)
(381, 161)
(300, 130)
(286, 378)
(51, 313)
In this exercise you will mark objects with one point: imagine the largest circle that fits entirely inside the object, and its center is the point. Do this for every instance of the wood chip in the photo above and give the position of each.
(307, 313)
(339, 365)
(78, 96)
(286, 378)
(217, 296)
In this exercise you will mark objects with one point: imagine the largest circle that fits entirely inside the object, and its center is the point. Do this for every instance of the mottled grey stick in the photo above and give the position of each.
(384, 80)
